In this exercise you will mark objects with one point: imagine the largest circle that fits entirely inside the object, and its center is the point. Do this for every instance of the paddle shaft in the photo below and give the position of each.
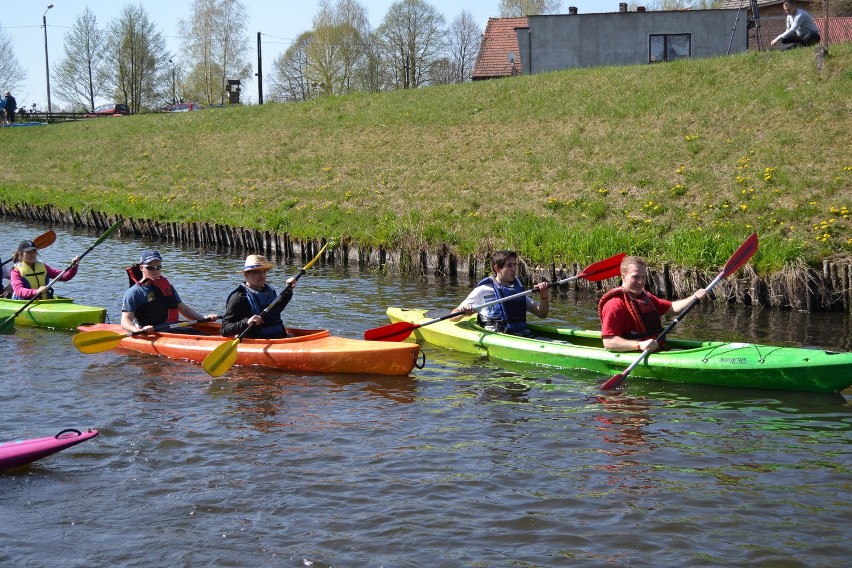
(600, 270)
(665, 332)
(4, 323)
(275, 302)
(737, 260)
(98, 341)
(497, 301)
(223, 357)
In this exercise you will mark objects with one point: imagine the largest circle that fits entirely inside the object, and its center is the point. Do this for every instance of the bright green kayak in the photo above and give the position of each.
(707, 363)
(59, 313)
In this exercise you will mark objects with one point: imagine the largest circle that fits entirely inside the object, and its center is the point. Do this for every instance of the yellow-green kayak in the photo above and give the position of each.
(700, 362)
(58, 313)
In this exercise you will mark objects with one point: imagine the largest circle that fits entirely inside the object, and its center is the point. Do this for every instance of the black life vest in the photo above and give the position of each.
(258, 301)
(513, 313)
(161, 305)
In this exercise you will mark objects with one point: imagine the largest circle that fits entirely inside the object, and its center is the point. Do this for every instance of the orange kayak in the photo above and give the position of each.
(308, 350)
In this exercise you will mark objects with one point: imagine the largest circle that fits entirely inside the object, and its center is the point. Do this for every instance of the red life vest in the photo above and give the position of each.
(642, 310)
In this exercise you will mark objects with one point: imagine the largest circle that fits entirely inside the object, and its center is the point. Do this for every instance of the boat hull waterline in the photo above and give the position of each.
(303, 350)
(707, 363)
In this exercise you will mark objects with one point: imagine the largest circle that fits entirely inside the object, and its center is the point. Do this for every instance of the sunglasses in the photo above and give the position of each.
(159, 267)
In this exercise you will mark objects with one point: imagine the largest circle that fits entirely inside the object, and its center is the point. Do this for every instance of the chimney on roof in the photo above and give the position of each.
(572, 9)
(640, 8)
(622, 7)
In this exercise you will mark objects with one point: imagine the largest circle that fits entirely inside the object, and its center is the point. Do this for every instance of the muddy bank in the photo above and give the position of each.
(796, 287)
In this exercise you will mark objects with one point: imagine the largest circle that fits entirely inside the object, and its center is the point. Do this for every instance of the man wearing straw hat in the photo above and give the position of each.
(249, 299)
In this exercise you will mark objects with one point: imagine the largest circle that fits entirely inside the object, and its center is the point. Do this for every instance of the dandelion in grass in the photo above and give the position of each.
(680, 170)
(691, 137)
(603, 190)
(767, 174)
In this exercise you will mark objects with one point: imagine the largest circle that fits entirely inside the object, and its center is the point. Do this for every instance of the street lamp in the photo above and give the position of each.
(174, 92)
(46, 64)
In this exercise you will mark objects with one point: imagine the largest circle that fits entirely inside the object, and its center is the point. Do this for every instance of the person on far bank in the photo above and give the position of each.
(30, 276)
(510, 316)
(631, 317)
(151, 300)
(801, 30)
(246, 302)
(10, 108)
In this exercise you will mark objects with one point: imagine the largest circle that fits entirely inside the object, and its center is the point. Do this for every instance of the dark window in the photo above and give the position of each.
(668, 47)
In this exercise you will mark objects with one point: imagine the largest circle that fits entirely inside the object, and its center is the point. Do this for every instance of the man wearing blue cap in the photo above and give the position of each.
(152, 300)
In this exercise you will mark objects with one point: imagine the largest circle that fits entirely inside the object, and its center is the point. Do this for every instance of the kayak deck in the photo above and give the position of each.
(58, 313)
(302, 350)
(709, 362)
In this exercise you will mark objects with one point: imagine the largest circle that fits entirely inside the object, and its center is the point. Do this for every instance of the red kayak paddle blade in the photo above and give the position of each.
(613, 382)
(398, 331)
(603, 269)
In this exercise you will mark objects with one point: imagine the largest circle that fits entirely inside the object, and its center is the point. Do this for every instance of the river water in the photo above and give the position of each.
(468, 462)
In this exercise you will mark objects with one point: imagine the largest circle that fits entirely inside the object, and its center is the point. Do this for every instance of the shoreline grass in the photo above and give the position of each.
(676, 162)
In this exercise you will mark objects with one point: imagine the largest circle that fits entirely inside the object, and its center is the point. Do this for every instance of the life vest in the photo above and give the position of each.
(161, 305)
(512, 314)
(258, 301)
(34, 277)
(642, 310)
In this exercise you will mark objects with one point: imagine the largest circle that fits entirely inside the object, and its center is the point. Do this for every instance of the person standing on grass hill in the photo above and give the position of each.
(510, 316)
(11, 107)
(30, 276)
(801, 30)
(246, 302)
(3, 120)
(630, 315)
(152, 300)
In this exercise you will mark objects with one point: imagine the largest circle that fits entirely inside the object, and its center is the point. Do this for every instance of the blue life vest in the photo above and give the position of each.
(259, 300)
(513, 313)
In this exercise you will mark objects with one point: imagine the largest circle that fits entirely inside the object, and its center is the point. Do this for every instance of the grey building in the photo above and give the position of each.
(563, 41)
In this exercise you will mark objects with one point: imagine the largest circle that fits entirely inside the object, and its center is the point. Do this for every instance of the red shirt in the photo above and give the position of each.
(617, 321)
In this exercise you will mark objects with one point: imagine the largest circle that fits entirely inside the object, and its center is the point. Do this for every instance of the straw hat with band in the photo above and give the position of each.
(257, 262)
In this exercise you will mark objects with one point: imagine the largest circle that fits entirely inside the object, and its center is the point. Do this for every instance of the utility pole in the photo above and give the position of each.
(259, 73)
(46, 65)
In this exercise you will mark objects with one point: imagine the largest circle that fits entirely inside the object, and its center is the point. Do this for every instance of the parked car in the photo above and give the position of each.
(183, 107)
(110, 109)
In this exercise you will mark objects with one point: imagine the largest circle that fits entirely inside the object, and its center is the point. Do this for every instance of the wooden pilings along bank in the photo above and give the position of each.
(796, 287)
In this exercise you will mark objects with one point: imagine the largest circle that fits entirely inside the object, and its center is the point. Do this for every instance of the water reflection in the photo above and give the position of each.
(261, 396)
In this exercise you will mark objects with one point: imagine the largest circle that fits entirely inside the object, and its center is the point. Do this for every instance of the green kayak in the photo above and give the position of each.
(699, 362)
(59, 313)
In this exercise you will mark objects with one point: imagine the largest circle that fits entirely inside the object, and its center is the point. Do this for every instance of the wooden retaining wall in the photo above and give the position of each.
(799, 288)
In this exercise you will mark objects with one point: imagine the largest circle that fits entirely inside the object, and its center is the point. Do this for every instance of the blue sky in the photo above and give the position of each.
(280, 22)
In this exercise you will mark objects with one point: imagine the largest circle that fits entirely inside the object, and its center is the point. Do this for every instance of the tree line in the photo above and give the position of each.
(413, 46)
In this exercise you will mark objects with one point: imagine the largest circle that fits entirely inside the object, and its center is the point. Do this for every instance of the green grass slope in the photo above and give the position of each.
(677, 162)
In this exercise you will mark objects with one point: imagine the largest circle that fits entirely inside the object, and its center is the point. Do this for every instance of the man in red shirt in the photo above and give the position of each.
(631, 316)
